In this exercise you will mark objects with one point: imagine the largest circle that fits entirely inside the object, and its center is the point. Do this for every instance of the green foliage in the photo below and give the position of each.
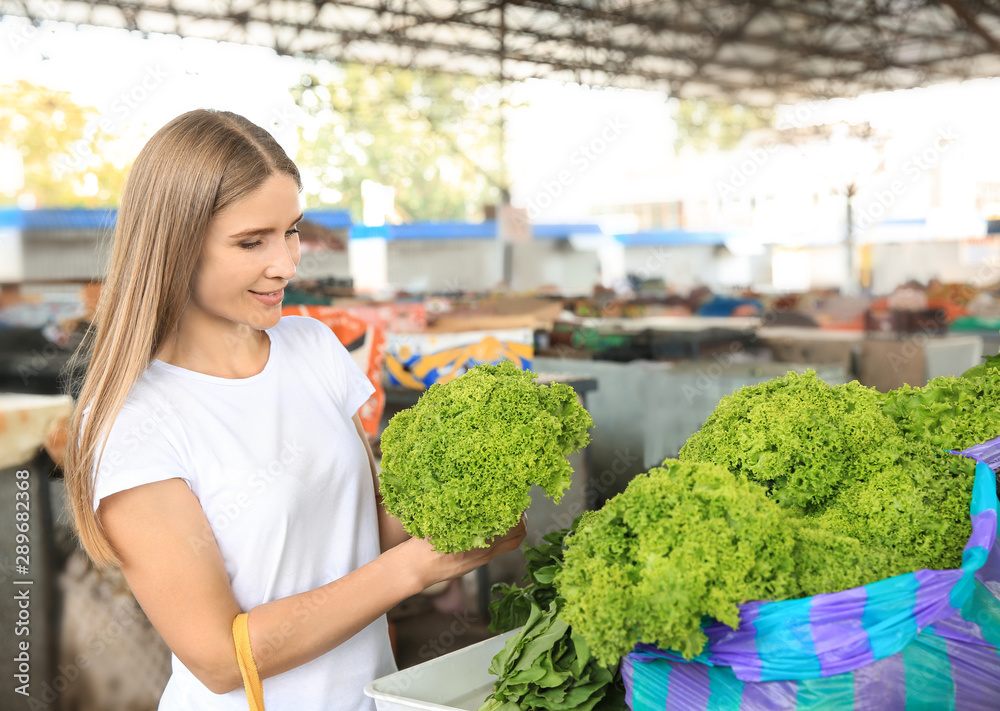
(705, 125)
(948, 412)
(681, 542)
(546, 665)
(549, 666)
(799, 436)
(912, 514)
(457, 466)
(828, 562)
(857, 463)
(512, 605)
(435, 138)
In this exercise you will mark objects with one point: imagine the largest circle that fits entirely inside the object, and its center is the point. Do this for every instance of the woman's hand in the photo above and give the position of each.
(430, 566)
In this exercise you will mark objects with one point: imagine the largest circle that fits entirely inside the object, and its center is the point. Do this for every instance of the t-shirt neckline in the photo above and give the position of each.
(204, 377)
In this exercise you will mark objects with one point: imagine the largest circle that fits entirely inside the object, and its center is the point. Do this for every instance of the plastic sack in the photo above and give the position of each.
(923, 640)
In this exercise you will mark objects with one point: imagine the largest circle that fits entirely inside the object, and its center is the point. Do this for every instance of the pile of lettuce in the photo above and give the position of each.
(845, 459)
(792, 488)
(457, 466)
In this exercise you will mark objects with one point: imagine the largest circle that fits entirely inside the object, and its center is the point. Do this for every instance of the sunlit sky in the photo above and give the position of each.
(556, 136)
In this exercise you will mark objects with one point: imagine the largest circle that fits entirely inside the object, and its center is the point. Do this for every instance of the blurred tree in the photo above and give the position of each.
(707, 125)
(435, 138)
(63, 150)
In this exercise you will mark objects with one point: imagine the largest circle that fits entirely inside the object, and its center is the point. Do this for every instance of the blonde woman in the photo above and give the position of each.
(219, 458)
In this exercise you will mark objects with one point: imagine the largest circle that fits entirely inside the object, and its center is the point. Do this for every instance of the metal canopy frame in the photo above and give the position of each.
(756, 52)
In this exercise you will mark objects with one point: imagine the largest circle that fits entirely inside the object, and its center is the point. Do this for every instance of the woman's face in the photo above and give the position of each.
(250, 252)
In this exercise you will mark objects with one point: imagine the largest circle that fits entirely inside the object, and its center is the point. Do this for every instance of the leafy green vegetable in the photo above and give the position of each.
(948, 412)
(513, 605)
(681, 542)
(457, 466)
(549, 666)
(989, 363)
(857, 463)
(799, 436)
(792, 488)
(572, 679)
(828, 562)
(911, 515)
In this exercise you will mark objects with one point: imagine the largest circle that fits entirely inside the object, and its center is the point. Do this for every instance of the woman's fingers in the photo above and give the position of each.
(452, 565)
(518, 531)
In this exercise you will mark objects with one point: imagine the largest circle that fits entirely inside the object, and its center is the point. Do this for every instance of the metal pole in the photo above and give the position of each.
(851, 283)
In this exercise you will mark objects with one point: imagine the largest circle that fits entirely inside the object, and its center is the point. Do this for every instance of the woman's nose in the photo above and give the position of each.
(284, 258)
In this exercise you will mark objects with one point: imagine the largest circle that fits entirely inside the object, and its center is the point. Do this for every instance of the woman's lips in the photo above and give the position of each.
(272, 299)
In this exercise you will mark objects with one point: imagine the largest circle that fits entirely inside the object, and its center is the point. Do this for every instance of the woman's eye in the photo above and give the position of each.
(291, 232)
(250, 245)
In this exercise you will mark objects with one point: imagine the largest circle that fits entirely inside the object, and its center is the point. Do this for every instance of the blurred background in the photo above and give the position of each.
(656, 202)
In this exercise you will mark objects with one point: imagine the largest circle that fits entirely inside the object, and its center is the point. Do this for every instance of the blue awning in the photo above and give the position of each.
(677, 236)
(562, 231)
(59, 218)
(103, 218)
(464, 230)
(330, 219)
(427, 230)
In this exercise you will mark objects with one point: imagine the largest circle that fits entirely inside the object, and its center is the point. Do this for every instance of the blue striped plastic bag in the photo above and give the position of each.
(924, 640)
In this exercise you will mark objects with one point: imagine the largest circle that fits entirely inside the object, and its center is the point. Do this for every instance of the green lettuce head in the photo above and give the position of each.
(457, 466)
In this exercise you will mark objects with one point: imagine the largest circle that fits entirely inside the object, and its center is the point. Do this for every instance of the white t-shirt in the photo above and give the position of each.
(284, 480)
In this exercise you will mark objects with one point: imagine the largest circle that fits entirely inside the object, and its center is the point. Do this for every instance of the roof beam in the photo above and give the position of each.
(782, 48)
(966, 16)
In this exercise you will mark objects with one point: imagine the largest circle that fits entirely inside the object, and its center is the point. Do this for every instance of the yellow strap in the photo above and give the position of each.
(244, 655)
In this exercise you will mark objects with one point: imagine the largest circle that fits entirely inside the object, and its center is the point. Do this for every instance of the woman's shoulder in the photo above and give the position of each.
(299, 325)
(304, 331)
(148, 394)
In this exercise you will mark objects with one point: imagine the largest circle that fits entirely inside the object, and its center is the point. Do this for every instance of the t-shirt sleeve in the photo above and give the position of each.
(349, 380)
(138, 451)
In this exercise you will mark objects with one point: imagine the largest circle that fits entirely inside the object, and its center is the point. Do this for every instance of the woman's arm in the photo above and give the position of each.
(390, 530)
(175, 569)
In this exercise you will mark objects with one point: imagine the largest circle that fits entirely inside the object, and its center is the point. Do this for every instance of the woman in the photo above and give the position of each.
(220, 460)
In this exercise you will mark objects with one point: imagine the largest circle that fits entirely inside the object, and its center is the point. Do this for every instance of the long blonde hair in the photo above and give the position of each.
(193, 168)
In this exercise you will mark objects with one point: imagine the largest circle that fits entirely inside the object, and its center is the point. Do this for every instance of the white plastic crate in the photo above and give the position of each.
(457, 681)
